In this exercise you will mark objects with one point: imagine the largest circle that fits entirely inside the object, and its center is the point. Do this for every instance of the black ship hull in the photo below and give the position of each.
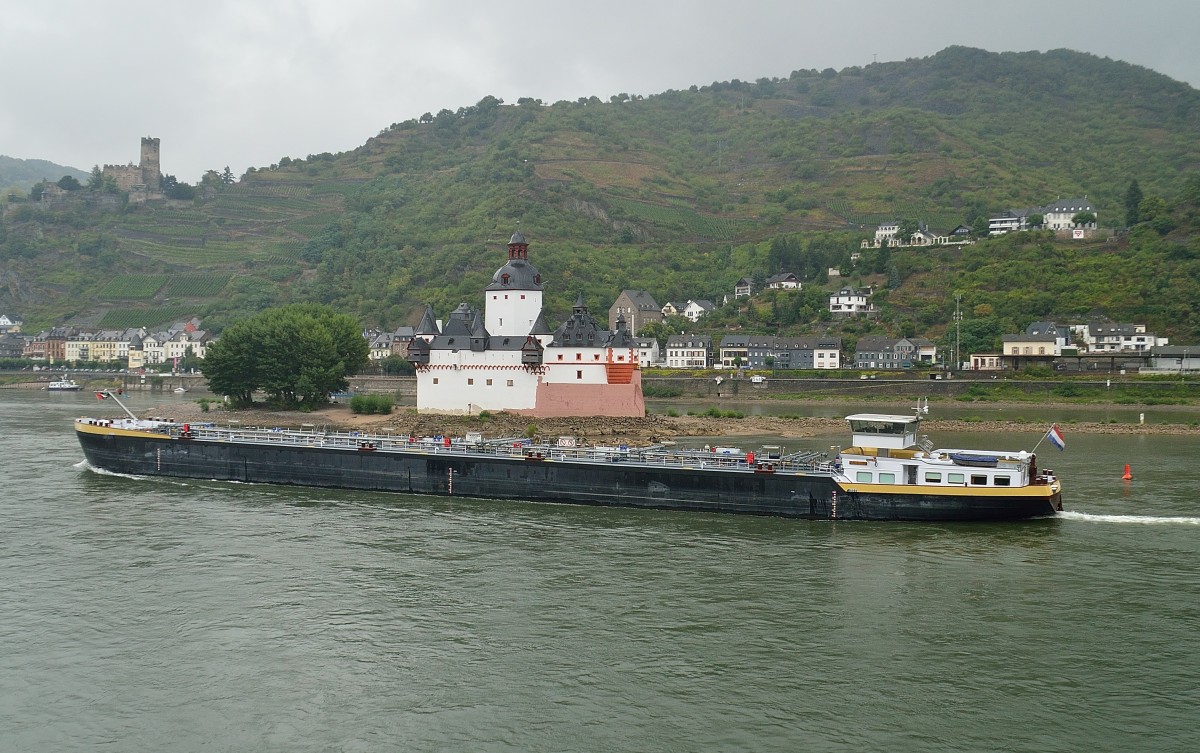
(815, 495)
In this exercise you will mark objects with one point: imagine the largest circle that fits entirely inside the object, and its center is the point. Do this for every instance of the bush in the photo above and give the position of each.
(370, 404)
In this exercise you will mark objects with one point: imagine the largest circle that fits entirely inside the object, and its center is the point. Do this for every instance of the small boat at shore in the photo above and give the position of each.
(63, 385)
(888, 473)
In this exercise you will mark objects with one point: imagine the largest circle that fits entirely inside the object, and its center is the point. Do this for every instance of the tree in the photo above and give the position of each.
(1035, 221)
(1083, 219)
(96, 179)
(227, 176)
(297, 354)
(1133, 198)
(69, 183)
(979, 227)
(906, 229)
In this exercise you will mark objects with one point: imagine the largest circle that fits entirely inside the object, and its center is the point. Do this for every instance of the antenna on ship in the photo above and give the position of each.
(922, 406)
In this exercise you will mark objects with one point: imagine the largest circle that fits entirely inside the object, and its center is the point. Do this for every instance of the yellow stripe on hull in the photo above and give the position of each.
(1040, 490)
(115, 432)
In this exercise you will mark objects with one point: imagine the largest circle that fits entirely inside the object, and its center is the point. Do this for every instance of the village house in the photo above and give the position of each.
(1104, 336)
(1020, 351)
(638, 307)
(12, 345)
(783, 281)
(743, 288)
(689, 352)
(771, 351)
(894, 353)
(696, 309)
(10, 323)
(851, 302)
(986, 362)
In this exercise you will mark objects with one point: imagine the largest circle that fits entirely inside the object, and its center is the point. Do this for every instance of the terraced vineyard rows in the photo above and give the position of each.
(688, 220)
(132, 287)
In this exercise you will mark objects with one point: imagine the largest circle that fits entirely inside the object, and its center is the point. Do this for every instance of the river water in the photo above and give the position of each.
(159, 615)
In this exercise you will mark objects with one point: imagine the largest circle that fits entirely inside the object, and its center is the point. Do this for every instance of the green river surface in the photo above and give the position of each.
(163, 615)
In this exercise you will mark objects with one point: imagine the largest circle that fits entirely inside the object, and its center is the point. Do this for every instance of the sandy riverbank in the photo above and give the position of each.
(634, 431)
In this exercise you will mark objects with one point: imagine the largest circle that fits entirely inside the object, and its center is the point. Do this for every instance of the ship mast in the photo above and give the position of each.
(109, 393)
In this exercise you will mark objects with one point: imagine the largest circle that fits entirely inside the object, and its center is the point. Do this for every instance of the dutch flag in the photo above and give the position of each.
(1055, 436)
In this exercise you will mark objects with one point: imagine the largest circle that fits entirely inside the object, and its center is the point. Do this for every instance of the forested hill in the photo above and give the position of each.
(23, 174)
(681, 193)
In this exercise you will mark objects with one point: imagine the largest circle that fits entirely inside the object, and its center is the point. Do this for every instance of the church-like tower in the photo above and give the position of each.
(513, 302)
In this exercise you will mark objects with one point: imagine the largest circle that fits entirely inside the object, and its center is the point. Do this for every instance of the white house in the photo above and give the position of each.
(696, 309)
(851, 302)
(783, 281)
(1058, 215)
(689, 351)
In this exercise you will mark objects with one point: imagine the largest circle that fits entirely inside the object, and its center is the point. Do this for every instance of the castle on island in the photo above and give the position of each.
(508, 359)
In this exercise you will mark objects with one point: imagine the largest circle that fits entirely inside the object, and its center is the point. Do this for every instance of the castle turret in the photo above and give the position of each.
(514, 299)
(151, 169)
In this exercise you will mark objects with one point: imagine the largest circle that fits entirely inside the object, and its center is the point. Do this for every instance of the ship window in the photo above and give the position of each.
(489, 382)
(560, 356)
(933, 478)
(578, 356)
(510, 382)
(470, 381)
(579, 375)
(863, 477)
(978, 479)
(956, 478)
(1001, 481)
(887, 478)
(435, 380)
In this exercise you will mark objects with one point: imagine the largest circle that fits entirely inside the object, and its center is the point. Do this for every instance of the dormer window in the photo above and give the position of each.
(504, 278)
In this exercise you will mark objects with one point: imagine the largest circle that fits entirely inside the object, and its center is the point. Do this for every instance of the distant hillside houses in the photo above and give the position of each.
(1058, 215)
(10, 323)
(888, 235)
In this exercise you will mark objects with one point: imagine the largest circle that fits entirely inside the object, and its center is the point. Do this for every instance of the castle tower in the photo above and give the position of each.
(514, 299)
(151, 172)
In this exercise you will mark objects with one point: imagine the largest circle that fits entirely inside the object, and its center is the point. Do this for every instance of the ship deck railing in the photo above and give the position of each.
(511, 447)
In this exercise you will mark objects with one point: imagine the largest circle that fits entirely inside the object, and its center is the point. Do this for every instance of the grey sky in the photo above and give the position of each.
(245, 82)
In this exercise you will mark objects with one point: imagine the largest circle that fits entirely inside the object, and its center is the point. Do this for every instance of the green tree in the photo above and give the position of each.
(69, 183)
(297, 354)
(905, 230)
(1133, 198)
(1035, 221)
(979, 227)
(1083, 218)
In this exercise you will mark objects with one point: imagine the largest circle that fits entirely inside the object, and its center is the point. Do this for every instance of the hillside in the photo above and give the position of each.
(680, 193)
(23, 174)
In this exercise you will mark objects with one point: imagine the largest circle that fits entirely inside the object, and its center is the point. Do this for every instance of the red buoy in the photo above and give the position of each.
(1128, 476)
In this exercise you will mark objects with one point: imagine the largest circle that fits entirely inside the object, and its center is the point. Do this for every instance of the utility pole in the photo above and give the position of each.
(957, 331)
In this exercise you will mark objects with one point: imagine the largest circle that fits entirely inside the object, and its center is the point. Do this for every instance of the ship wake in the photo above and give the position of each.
(1139, 519)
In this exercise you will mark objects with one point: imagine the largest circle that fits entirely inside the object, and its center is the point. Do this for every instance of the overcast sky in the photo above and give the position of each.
(242, 83)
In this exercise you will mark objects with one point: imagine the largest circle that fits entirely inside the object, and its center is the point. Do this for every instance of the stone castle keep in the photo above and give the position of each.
(142, 177)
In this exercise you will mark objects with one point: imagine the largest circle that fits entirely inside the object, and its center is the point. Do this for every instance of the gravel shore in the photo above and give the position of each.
(633, 431)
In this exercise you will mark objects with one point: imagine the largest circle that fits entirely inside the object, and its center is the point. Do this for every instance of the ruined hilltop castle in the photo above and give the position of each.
(142, 178)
